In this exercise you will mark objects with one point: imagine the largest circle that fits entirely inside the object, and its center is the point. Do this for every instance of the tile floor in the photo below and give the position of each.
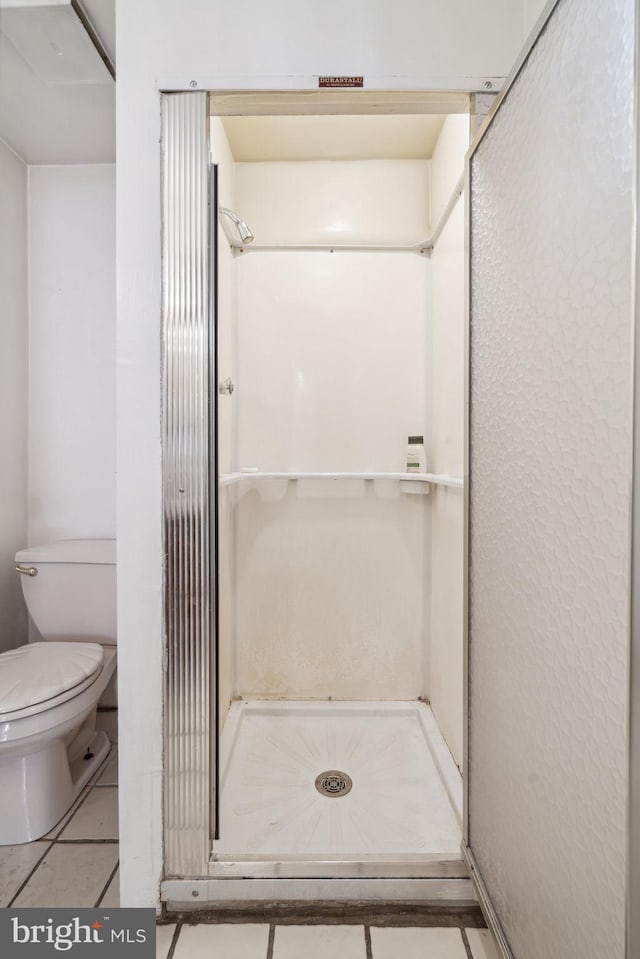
(76, 864)
(262, 941)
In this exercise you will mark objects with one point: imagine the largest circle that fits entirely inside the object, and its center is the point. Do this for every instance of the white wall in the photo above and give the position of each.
(335, 201)
(447, 438)
(447, 162)
(332, 376)
(167, 44)
(13, 392)
(72, 352)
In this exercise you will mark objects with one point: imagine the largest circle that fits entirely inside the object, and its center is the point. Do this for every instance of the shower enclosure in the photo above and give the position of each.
(331, 761)
(304, 588)
(296, 368)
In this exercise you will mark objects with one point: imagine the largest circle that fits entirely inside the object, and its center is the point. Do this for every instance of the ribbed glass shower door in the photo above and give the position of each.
(190, 754)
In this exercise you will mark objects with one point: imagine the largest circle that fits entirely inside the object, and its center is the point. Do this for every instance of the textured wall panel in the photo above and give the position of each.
(549, 508)
(188, 591)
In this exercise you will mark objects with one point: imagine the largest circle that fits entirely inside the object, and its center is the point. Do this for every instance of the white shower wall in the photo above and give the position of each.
(332, 376)
(335, 201)
(222, 157)
(447, 436)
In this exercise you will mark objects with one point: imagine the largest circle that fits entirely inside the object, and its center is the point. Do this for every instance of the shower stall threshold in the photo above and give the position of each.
(393, 868)
(337, 790)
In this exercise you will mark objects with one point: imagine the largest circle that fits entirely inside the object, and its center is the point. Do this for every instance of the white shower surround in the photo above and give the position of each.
(447, 437)
(332, 375)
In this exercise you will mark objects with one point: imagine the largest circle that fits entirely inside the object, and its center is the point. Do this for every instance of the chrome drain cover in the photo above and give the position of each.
(333, 783)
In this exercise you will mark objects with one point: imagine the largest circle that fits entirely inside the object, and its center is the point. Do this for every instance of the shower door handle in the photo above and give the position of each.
(226, 387)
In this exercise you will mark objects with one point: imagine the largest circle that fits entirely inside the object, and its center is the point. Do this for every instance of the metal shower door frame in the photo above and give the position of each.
(189, 485)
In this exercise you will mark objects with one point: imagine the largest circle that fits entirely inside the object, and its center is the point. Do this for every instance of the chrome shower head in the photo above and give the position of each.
(246, 236)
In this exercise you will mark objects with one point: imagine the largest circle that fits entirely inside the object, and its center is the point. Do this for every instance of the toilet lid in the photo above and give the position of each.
(38, 672)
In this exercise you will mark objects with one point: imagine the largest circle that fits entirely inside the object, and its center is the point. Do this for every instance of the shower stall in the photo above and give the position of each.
(315, 616)
(320, 662)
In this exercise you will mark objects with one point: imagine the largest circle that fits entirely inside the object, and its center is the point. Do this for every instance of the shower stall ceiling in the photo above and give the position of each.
(325, 585)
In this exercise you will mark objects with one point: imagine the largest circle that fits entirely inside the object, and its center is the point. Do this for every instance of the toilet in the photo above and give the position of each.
(49, 691)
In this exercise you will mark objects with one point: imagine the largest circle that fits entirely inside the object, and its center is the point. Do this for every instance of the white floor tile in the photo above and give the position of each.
(96, 818)
(109, 774)
(318, 942)
(16, 862)
(211, 941)
(164, 938)
(111, 898)
(70, 875)
(431, 943)
(269, 803)
(59, 826)
(483, 945)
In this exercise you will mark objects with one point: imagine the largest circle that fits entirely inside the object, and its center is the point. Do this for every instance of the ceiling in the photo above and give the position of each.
(57, 100)
(262, 138)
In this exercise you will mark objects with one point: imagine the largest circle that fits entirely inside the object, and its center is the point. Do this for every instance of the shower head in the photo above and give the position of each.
(246, 236)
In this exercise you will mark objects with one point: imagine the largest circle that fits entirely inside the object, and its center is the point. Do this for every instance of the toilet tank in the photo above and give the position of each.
(71, 596)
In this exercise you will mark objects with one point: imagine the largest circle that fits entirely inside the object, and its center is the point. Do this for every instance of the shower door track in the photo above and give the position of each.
(435, 866)
(455, 896)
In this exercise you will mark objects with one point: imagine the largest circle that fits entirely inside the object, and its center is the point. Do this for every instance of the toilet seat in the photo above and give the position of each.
(39, 676)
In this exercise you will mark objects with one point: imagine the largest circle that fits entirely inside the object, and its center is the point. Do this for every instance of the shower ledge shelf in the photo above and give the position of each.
(436, 479)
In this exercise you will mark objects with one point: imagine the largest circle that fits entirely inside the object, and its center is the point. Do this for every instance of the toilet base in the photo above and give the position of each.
(39, 788)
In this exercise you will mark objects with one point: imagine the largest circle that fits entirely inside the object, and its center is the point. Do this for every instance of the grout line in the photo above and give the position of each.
(174, 941)
(30, 876)
(367, 942)
(80, 802)
(107, 884)
(85, 842)
(272, 936)
(467, 946)
(101, 769)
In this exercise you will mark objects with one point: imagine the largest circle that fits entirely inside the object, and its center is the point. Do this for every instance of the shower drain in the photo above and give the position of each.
(333, 783)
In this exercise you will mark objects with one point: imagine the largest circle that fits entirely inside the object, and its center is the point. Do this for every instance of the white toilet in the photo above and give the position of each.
(49, 691)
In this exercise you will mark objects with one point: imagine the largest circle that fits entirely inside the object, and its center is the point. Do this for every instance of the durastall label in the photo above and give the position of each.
(340, 81)
(40, 933)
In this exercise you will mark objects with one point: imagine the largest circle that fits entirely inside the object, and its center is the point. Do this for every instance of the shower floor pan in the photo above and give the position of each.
(337, 790)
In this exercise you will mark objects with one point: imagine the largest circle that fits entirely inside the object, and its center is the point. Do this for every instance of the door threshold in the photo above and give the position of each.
(344, 913)
(209, 895)
(425, 867)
